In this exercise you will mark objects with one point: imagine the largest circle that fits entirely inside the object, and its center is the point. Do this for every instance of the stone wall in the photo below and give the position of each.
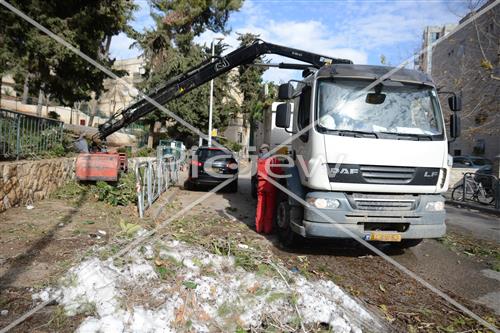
(457, 174)
(26, 180)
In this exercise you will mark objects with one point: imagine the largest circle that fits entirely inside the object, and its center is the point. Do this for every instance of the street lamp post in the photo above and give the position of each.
(210, 108)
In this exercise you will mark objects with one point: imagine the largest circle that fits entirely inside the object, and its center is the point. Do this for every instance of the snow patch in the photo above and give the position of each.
(207, 292)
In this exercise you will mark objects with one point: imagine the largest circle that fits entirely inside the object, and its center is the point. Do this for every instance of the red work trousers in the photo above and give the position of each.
(266, 202)
(266, 195)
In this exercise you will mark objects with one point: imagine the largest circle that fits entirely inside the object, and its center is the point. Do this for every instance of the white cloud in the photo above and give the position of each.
(120, 44)
(386, 24)
(308, 35)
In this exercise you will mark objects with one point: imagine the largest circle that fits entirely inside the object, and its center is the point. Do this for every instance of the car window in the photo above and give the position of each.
(480, 161)
(205, 154)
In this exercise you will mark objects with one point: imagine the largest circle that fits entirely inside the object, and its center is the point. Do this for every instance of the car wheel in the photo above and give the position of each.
(287, 237)
(188, 185)
(254, 188)
(233, 186)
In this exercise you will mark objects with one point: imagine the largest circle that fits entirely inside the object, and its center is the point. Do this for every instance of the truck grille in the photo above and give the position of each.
(385, 205)
(382, 202)
(387, 174)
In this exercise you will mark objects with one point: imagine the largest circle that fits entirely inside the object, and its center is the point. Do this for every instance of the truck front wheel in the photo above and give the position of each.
(287, 237)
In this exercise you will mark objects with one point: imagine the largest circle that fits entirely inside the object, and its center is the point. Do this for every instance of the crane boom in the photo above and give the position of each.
(206, 71)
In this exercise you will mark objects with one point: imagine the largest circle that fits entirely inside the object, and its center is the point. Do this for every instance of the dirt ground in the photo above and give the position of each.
(37, 246)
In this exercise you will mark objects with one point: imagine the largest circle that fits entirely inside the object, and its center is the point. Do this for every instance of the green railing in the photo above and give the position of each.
(23, 135)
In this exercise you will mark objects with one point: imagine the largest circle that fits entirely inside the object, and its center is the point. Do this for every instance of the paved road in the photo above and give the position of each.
(479, 225)
(456, 274)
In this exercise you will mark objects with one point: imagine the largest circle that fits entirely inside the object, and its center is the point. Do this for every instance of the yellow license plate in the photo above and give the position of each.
(385, 237)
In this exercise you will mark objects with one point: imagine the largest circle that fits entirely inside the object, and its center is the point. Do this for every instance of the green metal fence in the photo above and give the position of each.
(22, 135)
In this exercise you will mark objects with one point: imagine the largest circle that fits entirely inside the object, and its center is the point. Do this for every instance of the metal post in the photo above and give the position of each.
(210, 106)
(497, 194)
(159, 170)
(18, 136)
(464, 182)
(140, 191)
(210, 109)
(149, 180)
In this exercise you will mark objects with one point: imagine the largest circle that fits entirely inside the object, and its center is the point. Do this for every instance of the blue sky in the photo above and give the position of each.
(359, 30)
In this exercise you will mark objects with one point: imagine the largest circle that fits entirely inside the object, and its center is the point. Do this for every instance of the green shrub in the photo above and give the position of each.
(145, 152)
(57, 151)
(125, 150)
(54, 115)
(120, 194)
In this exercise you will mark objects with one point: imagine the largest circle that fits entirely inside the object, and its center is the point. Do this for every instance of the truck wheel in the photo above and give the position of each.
(287, 237)
(406, 243)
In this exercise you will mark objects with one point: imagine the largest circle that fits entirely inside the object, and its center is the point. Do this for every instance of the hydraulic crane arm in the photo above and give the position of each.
(208, 70)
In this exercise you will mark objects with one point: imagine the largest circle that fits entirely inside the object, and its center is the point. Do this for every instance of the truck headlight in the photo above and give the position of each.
(434, 206)
(323, 203)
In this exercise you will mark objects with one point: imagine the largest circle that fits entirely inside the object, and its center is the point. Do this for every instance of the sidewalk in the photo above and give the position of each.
(490, 209)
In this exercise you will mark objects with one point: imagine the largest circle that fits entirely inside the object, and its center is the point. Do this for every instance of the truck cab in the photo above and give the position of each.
(370, 156)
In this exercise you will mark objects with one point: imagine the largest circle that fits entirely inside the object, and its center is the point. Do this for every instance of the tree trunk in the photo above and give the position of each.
(26, 89)
(39, 104)
(71, 116)
(92, 113)
(151, 136)
(107, 45)
(1, 92)
(47, 99)
(77, 106)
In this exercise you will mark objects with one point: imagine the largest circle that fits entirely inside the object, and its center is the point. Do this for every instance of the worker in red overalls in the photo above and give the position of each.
(266, 192)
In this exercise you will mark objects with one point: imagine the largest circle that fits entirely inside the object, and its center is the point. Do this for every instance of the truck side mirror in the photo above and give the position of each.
(285, 91)
(454, 125)
(455, 103)
(283, 115)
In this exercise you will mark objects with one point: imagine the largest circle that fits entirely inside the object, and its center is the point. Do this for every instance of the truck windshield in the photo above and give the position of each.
(408, 110)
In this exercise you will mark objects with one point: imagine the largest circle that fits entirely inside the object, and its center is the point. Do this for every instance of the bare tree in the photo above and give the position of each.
(466, 63)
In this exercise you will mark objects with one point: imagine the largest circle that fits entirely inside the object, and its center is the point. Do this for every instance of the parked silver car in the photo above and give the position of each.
(470, 162)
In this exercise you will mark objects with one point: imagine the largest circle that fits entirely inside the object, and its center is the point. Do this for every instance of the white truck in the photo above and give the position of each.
(373, 161)
(267, 132)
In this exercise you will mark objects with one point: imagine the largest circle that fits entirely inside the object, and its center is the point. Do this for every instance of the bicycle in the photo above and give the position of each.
(474, 189)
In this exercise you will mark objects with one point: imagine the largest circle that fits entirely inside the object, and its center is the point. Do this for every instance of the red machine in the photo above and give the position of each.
(100, 166)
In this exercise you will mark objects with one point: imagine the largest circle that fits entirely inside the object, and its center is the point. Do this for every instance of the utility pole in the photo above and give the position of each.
(210, 107)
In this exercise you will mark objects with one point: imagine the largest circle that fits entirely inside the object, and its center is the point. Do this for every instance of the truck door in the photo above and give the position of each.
(302, 151)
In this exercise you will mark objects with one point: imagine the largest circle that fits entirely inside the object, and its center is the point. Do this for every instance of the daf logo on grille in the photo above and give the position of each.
(432, 174)
(344, 171)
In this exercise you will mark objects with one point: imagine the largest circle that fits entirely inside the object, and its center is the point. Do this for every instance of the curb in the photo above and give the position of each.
(484, 209)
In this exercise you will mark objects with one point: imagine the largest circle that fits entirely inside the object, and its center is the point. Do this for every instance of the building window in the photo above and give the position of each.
(461, 49)
(481, 118)
(434, 36)
(480, 147)
(490, 28)
(82, 122)
(457, 152)
(240, 137)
